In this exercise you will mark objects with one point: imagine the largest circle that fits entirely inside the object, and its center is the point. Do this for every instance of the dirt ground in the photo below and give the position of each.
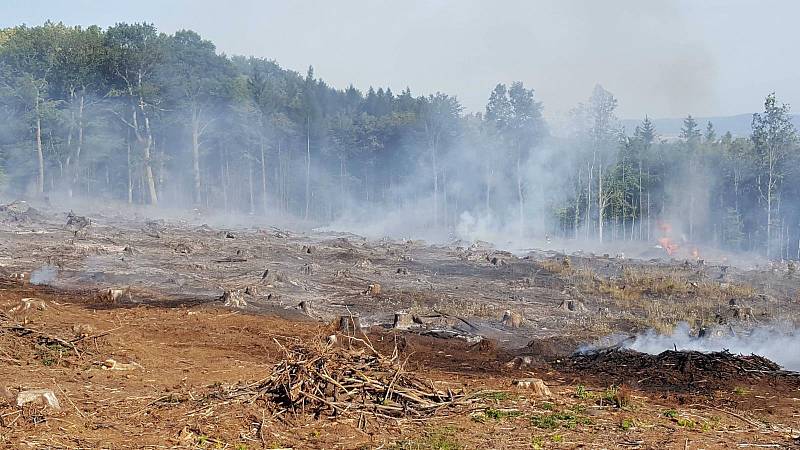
(200, 315)
(179, 357)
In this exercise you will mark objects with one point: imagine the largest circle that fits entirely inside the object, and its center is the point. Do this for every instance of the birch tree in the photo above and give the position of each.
(775, 141)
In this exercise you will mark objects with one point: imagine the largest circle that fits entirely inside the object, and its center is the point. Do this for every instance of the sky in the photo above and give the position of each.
(660, 58)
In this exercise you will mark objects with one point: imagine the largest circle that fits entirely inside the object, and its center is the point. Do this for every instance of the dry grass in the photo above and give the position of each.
(662, 296)
(636, 284)
(561, 266)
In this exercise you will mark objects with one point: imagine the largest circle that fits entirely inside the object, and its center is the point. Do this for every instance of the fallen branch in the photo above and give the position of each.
(322, 380)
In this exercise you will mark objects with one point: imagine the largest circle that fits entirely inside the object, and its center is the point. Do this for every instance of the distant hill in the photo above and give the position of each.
(738, 125)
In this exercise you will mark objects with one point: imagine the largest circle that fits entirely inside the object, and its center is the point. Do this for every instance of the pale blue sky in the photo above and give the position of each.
(709, 57)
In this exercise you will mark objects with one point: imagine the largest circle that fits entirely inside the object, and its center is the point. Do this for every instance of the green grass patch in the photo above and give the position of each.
(627, 424)
(563, 419)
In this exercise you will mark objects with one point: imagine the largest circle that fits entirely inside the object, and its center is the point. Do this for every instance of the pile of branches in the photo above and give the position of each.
(676, 370)
(330, 380)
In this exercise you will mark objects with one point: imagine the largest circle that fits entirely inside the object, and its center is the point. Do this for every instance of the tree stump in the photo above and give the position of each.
(305, 307)
(512, 319)
(348, 324)
(403, 321)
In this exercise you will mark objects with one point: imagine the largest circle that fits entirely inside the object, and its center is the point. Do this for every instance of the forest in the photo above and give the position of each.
(133, 115)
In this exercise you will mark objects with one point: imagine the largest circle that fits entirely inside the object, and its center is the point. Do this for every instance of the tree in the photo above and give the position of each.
(602, 122)
(196, 81)
(134, 51)
(710, 135)
(775, 139)
(690, 132)
(312, 112)
(28, 58)
(645, 135)
(80, 83)
(526, 129)
(440, 114)
(691, 136)
(497, 120)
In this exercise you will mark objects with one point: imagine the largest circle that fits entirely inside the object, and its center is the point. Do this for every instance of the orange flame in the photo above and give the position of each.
(667, 244)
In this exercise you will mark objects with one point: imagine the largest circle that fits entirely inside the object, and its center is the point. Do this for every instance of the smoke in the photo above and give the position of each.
(44, 275)
(766, 340)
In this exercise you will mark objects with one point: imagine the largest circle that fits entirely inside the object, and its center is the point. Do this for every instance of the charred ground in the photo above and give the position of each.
(183, 351)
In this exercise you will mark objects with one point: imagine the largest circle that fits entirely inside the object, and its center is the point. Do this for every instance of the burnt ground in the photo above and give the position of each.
(179, 345)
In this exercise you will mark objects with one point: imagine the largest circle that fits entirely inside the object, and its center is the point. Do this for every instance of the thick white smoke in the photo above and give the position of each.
(782, 347)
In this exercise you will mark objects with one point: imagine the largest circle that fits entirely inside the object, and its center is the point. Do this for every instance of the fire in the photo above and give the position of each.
(695, 253)
(667, 244)
(665, 241)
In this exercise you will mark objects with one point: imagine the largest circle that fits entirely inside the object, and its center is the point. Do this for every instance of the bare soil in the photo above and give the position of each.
(156, 367)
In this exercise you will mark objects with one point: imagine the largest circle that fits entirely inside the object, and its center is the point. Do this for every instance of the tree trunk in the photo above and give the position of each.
(435, 181)
(196, 155)
(600, 202)
(39, 151)
(691, 214)
(489, 176)
(341, 181)
(641, 210)
(145, 140)
(223, 176)
(148, 167)
(624, 191)
(130, 171)
(308, 166)
(263, 177)
(769, 212)
(250, 185)
(520, 198)
(588, 224)
(444, 196)
(577, 203)
(648, 216)
(161, 169)
(75, 170)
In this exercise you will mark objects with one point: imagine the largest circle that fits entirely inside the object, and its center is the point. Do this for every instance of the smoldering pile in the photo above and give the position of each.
(776, 341)
(680, 371)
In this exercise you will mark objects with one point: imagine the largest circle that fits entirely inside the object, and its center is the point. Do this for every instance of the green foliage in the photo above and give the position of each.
(616, 396)
(627, 424)
(117, 106)
(671, 413)
(685, 422)
(582, 393)
(498, 414)
(565, 419)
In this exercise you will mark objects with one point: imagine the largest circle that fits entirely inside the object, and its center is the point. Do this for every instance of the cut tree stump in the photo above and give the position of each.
(348, 324)
(403, 321)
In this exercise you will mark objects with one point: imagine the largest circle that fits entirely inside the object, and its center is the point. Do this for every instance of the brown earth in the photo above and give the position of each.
(180, 358)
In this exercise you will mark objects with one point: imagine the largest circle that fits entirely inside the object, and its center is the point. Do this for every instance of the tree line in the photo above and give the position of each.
(131, 114)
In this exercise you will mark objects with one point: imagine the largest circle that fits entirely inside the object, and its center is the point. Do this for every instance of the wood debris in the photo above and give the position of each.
(334, 381)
